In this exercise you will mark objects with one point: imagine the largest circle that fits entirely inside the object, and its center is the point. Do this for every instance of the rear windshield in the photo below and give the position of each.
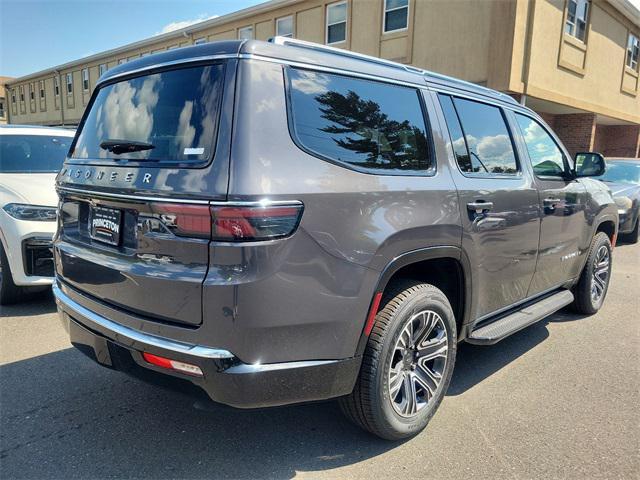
(170, 116)
(33, 153)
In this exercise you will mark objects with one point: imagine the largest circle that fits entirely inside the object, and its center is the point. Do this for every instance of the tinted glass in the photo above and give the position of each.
(457, 143)
(365, 124)
(174, 112)
(487, 138)
(624, 171)
(337, 33)
(395, 20)
(547, 159)
(32, 153)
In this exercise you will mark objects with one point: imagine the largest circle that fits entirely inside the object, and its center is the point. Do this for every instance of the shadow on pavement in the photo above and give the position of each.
(66, 417)
(39, 303)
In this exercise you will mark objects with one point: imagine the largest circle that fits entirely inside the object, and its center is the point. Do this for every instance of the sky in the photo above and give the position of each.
(38, 34)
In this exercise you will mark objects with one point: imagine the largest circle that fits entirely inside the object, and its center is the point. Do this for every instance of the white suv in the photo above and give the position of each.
(30, 158)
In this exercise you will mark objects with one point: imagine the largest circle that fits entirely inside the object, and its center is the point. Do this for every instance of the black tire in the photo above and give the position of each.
(632, 236)
(9, 291)
(370, 405)
(584, 301)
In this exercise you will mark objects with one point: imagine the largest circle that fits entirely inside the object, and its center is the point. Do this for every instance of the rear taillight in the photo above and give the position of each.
(252, 223)
(232, 223)
(185, 220)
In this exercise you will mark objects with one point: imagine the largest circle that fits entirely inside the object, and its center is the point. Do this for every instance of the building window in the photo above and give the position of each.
(41, 85)
(577, 16)
(13, 95)
(396, 15)
(1, 109)
(284, 27)
(102, 68)
(56, 86)
(22, 93)
(69, 83)
(633, 51)
(85, 79)
(336, 22)
(32, 95)
(199, 41)
(245, 33)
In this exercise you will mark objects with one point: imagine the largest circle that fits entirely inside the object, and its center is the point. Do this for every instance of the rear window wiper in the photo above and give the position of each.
(125, 146)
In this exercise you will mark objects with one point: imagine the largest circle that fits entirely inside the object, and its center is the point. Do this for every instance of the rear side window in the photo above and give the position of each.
(170, 116)
(479, 136)
(546, 157)
(365, 125)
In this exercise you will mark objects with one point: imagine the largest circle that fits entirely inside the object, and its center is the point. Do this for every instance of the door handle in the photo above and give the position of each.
(479, 207)
(551, 202)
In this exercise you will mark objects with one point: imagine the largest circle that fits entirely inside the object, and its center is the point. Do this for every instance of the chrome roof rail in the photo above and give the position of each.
(343, 53)
(425, 74)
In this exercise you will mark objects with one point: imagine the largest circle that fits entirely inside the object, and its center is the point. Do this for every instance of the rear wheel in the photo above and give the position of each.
(407, 363)
(592, 287)
(9, 291)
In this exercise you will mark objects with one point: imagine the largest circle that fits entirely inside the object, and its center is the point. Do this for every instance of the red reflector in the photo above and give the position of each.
(158, 361)
(185, 220)
(243, 224)
(372, 314)
(181, 367)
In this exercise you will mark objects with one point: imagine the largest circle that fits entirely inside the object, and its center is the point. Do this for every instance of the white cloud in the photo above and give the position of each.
(311, 83)
(173, 26)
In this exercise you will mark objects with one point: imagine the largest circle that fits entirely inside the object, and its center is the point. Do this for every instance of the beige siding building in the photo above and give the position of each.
(573, 61)
(3, 100)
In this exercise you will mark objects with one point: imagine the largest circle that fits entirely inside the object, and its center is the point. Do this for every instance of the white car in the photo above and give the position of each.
(30, 158)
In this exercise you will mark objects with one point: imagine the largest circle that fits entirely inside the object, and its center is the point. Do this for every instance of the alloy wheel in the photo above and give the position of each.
(417, 363)
(600, 277)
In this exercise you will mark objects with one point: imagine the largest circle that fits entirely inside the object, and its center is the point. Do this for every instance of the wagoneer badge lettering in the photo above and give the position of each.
(100, 175)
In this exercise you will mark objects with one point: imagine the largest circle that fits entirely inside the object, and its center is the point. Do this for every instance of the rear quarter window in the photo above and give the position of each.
(170, 116)
(364, 125)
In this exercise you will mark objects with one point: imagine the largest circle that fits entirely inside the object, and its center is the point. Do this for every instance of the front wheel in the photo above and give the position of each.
(592, 287)
(407, 364)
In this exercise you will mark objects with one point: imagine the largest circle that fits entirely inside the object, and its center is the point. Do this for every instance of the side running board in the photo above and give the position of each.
(497, 330)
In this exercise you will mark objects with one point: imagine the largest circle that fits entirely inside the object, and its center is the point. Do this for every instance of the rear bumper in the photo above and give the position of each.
(225, 378)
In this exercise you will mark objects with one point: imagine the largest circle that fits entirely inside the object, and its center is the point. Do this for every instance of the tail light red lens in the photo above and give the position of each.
(185, 220)
(252, 223)
(236, 223)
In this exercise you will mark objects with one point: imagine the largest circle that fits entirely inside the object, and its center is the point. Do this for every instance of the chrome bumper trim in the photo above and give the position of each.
(125, 333)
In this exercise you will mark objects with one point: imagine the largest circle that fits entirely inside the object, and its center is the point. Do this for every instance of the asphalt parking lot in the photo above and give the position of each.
(559, 399)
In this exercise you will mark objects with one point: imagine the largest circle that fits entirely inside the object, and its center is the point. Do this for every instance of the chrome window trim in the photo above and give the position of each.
(231, 203)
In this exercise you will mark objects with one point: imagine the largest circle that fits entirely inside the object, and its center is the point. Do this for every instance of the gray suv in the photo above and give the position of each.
(286, 222)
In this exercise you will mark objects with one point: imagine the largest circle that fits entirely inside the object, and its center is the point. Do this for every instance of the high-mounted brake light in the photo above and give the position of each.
(167, 363)
(252, 223)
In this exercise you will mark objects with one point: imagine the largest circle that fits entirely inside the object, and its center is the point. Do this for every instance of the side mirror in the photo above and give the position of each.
(589, 164)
